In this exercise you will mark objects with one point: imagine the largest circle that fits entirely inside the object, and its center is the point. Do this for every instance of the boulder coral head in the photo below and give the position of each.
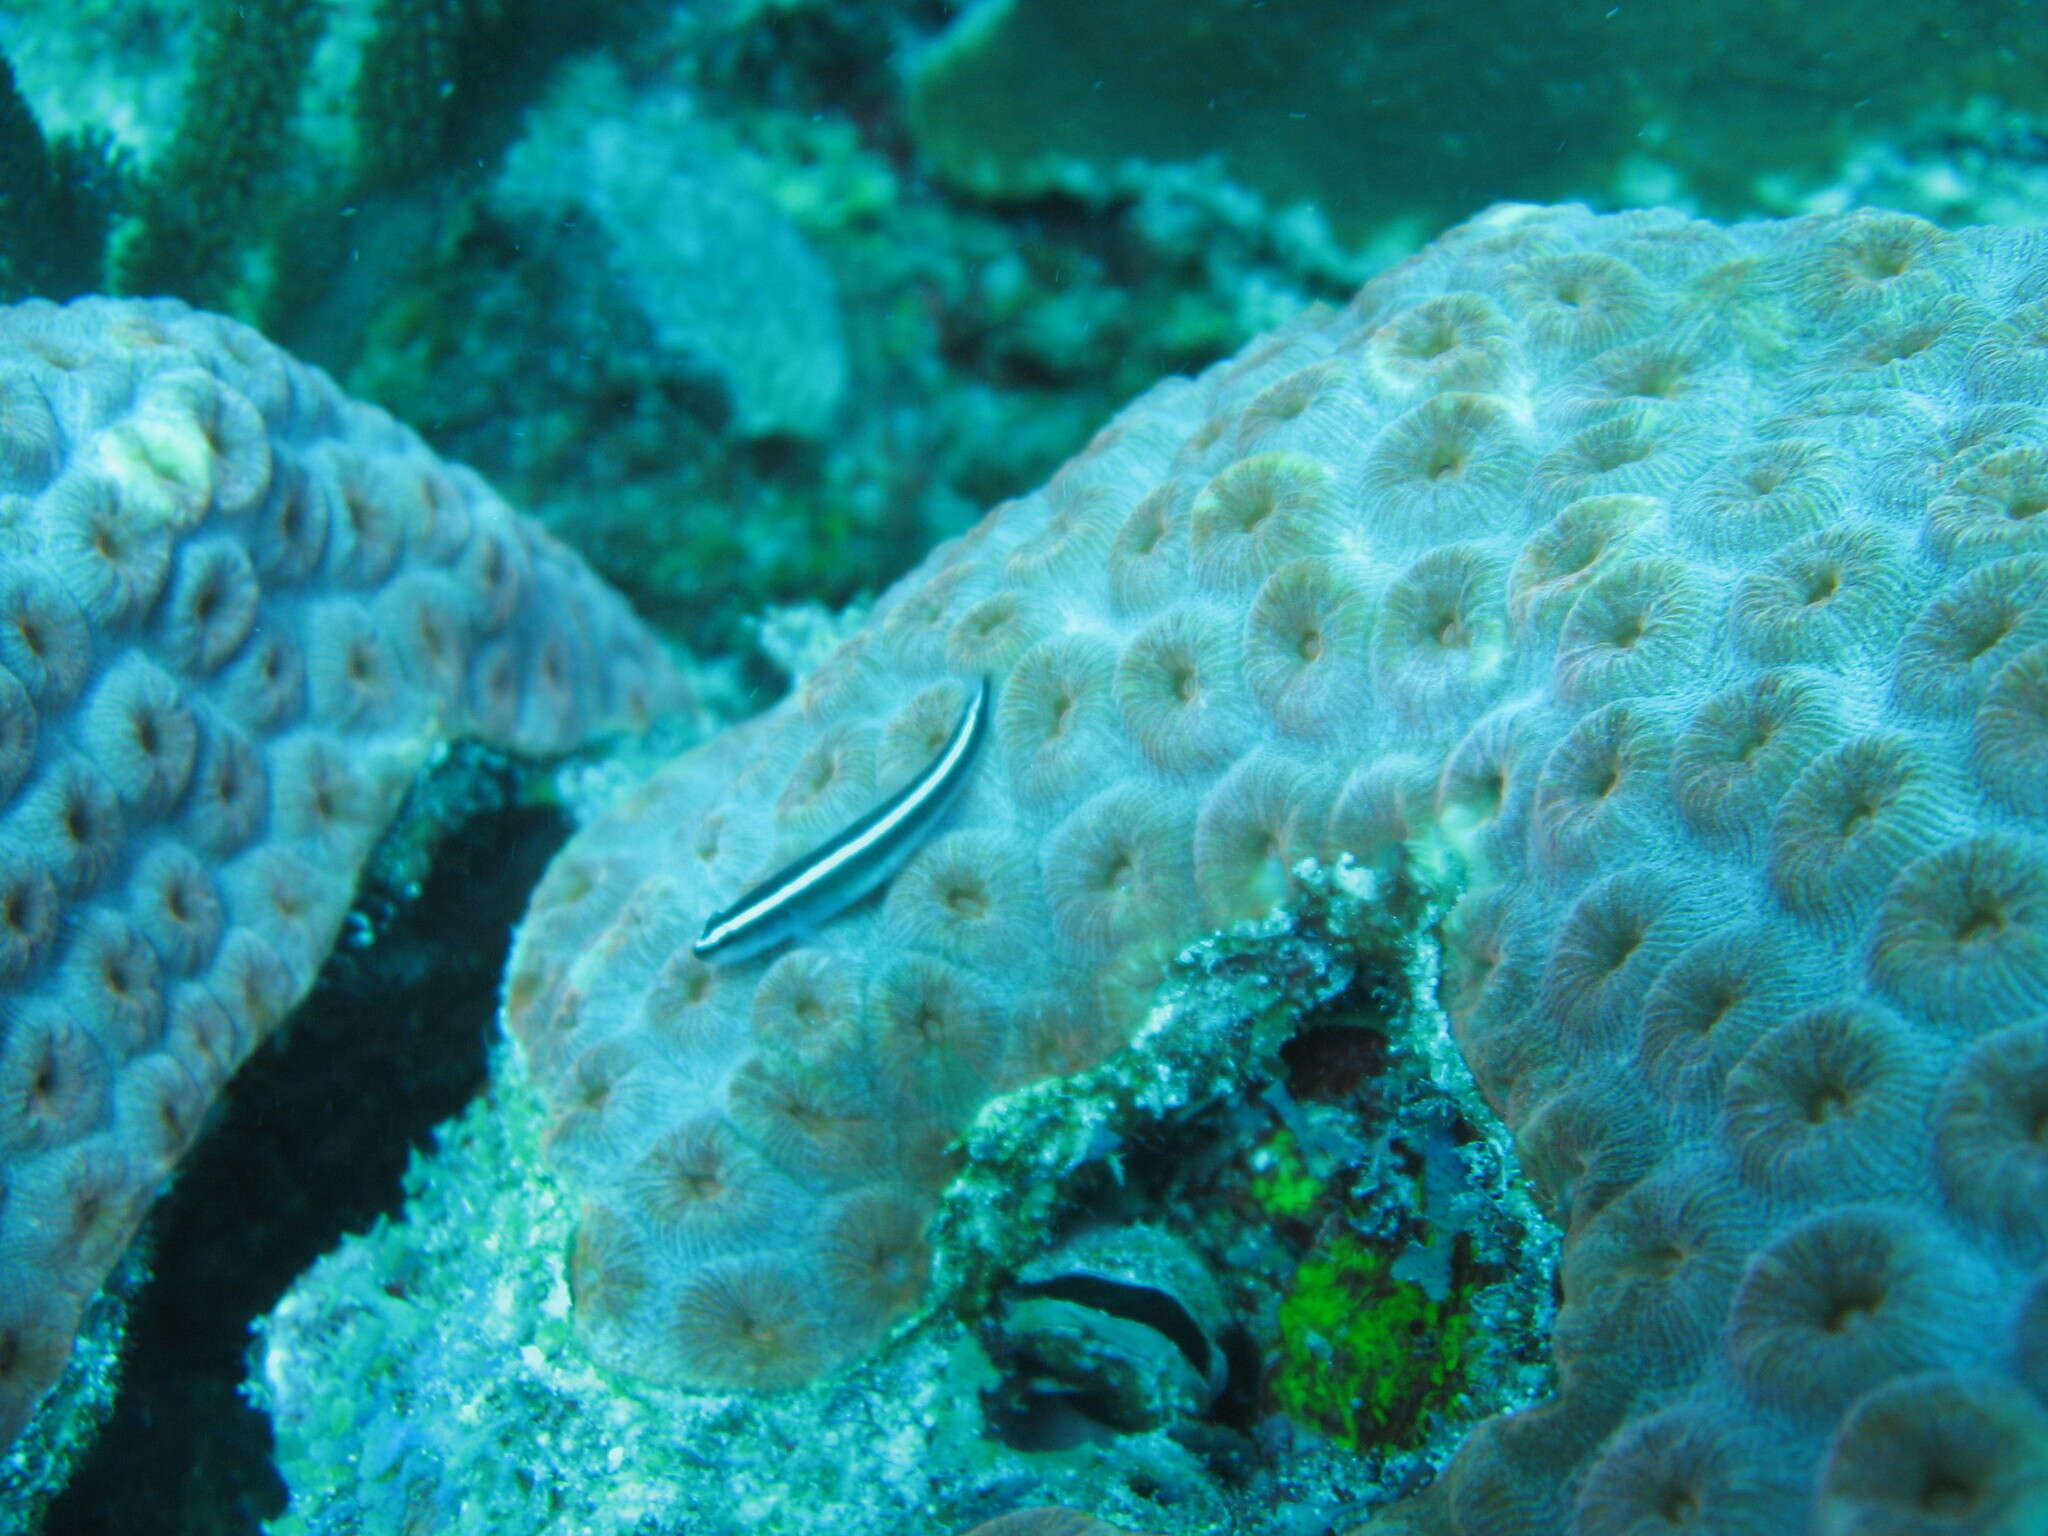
(237, 611)
(1684, 586)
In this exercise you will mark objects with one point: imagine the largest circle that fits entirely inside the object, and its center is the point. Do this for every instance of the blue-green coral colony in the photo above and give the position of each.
(1467, 950)
(1622, 528)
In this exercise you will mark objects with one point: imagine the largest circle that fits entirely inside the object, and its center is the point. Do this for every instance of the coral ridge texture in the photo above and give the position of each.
(1686, 585)
(237, 612)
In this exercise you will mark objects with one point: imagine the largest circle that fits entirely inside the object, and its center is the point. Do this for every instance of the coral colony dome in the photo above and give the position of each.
(1442, 932)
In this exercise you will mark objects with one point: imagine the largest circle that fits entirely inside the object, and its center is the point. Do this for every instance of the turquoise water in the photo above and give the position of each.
(752, 302)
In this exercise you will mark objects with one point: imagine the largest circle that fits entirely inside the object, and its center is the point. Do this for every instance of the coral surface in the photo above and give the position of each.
(1684, 587)
(237, 612)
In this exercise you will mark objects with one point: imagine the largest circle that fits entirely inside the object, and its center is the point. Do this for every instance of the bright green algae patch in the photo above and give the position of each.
(1284, 1185)
(1367, 1356)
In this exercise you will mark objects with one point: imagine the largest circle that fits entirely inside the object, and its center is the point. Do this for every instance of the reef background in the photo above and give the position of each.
(752, 302)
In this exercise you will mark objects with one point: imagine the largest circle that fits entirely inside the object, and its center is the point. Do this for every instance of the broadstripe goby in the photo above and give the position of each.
(825, 882)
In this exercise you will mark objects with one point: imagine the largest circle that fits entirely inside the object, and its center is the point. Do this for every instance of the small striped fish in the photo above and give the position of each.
(825, 882)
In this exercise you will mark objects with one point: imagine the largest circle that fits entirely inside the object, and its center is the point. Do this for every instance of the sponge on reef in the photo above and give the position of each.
(1683, 584)
(237, 611)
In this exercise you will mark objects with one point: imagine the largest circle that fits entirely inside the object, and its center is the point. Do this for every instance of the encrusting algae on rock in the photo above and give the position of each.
(1669, 594)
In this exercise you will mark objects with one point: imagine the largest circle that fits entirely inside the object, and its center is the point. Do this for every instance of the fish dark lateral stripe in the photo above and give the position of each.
(825, 882)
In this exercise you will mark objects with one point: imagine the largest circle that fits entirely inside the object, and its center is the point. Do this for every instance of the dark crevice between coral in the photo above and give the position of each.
(309, 1143)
